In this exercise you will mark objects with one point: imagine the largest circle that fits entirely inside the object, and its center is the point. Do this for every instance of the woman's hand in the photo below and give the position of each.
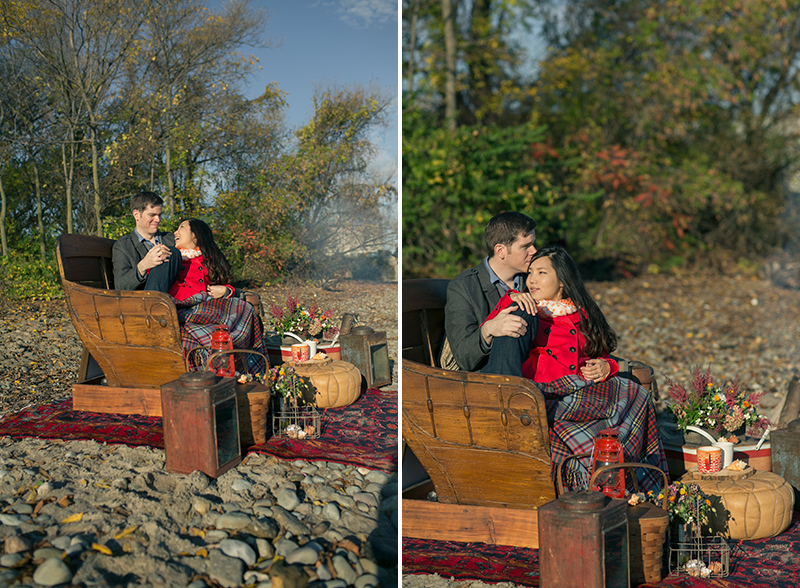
(217, 291)
(596, 370)
(525, 300)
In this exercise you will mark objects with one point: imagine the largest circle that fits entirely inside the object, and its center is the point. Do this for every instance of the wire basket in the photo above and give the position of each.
(296, 423)
(691, 554)
(703, 557)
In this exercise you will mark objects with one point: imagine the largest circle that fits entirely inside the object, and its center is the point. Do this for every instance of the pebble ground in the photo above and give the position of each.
(83, 513)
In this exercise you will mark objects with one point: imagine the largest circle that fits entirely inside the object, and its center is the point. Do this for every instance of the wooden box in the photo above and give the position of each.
(201, 424)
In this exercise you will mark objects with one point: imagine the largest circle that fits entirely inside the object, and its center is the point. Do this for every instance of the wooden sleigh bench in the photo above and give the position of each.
(482, 439)
(131, 338)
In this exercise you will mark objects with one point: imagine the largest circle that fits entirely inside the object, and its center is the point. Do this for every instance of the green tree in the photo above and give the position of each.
(83, 44)
(322, 196)
(700, 99)
(453, 183)
(466, 60)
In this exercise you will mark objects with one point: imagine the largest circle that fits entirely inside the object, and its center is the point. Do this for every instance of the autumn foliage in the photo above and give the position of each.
(667, 134)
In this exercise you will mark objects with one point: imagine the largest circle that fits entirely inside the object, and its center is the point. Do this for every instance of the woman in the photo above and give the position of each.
(204, 299)
(567, 341)
(204, 267)
(571, 362)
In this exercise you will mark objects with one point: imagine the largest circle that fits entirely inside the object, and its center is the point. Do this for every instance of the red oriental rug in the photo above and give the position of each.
(762, 563)
(362, 434)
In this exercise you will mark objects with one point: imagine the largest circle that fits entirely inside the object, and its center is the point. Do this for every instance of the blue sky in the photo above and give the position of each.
(317, 42)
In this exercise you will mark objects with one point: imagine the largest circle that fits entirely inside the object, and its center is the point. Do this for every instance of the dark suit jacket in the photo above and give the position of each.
(126, 253)
(470, 298)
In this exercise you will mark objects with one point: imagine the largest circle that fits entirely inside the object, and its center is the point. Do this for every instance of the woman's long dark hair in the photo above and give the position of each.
(598, 333)
(219, 270)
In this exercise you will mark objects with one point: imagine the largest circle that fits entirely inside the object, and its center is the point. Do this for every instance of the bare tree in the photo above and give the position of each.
(80, 47)
(191, 57)
(448, 18)
(4, 149)
(28, 106)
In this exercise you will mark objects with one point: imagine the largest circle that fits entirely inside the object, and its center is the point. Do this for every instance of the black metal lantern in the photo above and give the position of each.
(369, 352)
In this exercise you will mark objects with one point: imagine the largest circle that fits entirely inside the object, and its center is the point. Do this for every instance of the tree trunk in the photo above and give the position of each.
(412, 44)
(478, 62)
(3, 218)
(170, 184)
(601, 229)
(39, 218)
(448, 16)
(69, 172)
(96, 181)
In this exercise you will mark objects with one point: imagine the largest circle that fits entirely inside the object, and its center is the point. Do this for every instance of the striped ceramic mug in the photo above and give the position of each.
(709, 459)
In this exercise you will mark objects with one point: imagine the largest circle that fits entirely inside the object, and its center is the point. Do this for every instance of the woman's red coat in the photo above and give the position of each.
(558, 347)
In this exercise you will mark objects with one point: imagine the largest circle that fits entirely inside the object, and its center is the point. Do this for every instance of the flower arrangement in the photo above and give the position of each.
(285, 382)
(304, 322)
(686, 503)
(720, 408)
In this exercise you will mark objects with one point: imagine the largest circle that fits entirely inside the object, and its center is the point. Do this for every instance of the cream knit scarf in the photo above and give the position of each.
(556, 307)
(191, 253)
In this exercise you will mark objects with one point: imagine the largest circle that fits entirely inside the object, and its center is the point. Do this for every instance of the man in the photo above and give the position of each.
(146, 259)
(500, 345)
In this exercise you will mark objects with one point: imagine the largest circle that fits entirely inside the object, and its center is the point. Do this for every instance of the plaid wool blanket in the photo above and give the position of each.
(199, 314)
(578, 410)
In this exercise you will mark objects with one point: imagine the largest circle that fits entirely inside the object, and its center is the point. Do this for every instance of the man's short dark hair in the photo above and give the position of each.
(505, 228)
(144, 199)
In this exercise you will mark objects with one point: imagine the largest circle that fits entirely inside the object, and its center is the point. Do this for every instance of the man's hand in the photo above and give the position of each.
(525, 300)
(155, 256)
(504, 324)
(217, 291)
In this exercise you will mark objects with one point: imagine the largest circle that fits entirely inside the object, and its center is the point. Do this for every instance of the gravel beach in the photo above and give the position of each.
(85, 513)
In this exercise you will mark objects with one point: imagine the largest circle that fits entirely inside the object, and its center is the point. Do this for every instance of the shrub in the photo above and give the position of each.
(28, 277)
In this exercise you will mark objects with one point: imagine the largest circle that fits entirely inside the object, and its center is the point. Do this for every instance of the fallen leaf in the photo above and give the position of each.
(40, 504)
(73, 518)
(202, 552)
(126, 532)
(349, 546)
(101, 548)
(65, 501)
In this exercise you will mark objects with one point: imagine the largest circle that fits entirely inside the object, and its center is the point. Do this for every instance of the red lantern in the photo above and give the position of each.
(608, 451)
(220, 341)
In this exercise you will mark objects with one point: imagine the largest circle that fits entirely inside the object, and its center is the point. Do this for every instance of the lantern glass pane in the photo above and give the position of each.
(380, 362)
(227, 431)
(616, 555)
